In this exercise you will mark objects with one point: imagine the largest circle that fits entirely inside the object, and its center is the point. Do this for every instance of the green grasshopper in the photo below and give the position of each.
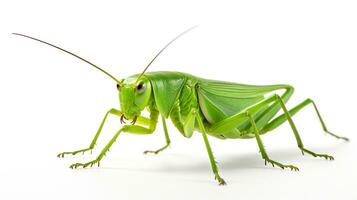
(224, 110)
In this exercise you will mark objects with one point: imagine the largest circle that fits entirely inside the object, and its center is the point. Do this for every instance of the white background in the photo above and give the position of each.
(51, 102)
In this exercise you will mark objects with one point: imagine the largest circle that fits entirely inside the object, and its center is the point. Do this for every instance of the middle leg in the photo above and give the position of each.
(209, 151)
(167, 137)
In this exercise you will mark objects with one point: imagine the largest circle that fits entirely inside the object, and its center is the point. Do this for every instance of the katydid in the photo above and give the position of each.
(224, 110)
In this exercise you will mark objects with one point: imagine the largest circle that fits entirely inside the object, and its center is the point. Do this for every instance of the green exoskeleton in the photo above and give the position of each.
(220, 109)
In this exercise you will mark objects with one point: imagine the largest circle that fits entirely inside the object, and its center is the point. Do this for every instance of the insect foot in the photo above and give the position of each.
(220, 180)
(327, 157)
(282, 166)
(336, 136)
(90, 164)
(61, 155)
(154, 152)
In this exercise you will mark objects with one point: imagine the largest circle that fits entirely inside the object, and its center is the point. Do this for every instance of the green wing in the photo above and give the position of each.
(166, 87)
(219, 99)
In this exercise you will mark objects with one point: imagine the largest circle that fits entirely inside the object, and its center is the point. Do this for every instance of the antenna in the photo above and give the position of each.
(52, 45)
(157, 55)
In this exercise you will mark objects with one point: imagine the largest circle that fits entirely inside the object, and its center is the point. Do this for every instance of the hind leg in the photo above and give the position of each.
(262, 149)
(233, 121)
(286, 116)
(282, 118)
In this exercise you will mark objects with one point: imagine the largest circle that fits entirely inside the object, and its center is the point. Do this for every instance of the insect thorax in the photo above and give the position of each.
(186, 101)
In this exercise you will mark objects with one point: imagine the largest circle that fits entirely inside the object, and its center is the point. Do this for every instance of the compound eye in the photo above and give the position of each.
(140, 88)
(118, 86)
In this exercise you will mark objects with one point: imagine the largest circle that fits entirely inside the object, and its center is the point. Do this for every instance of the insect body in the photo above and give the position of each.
(220, 109)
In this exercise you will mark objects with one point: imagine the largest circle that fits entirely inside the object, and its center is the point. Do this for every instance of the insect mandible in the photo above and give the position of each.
(224, 110)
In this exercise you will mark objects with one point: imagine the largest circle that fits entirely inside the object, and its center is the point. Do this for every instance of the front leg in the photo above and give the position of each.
(141, 120)
(94, 140)
(135, 129)
(127, 128)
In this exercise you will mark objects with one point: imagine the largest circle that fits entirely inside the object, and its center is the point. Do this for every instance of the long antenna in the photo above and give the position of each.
(157, 55)
(52, 45)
